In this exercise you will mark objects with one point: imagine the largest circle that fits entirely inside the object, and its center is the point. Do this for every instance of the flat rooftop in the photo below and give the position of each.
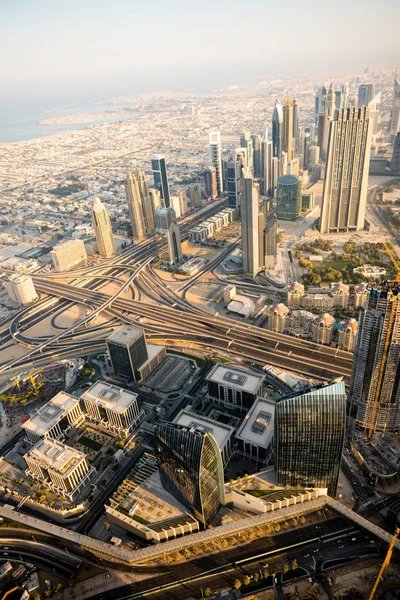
(236, 379)
(56, 456)
(109, 396)
(51, 413)
(125, 335)
(221, 432)
(258, 425)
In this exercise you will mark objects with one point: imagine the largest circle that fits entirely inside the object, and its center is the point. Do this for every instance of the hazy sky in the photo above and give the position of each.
(68, 44)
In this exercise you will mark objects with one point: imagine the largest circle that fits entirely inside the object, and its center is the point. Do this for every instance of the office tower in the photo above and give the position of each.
(176, 206)
(247, 143)
(210, 180)
(182, 201)
(338, 99)
(102, 229)
(249, 211)
(293, 167)
(155, 199)
(394, 126)
(234, 179)
(160, 177)
(275, 174)
(277, 129)
(20, 288)
(306, 150)
(127, 350)
(395, 162)
(296, 118)
(136, 216)
(66, 255)
(174, 244)
(309, 436)
(214, 140)
(345, 95)
(266, 166)
(374, 390)
(191, 468)
(195, 194)
(287, 127)
(233, 388)
(344, 196)
(320, 103)
(374, 114)
(313, 156)
(163, 219)
(365, 94)
(55, 419)
(112, 407)
(256, 143)
(270, 237)
(288, 204)
(323, 131)
(330, 102)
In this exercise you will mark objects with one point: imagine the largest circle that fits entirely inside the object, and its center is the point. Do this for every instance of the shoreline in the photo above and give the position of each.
(79, 119)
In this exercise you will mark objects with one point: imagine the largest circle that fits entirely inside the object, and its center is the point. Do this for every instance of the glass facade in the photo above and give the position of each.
(159, 168)
(288, 204)
(309, 436)
(191, 469)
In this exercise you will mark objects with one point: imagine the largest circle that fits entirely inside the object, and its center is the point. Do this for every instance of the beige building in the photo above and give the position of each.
(295, 294)
(20, 288)
(195, 194)
(102, 229)
(155, 199)
(322, 329)
(229, 293)
(181, 193)
(58, 466)
(278, 317)
(360, 295)
(348, 334)
(68, 254)
(112, 407)
(55, 419)
(340, 294)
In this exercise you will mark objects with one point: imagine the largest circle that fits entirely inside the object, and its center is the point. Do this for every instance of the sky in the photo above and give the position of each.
(66, 46)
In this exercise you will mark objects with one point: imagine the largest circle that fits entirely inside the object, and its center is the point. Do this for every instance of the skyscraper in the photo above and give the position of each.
(395, 162)
(234, 179)
(270, 236)
(214, 139)
(330, 102)
(210, 180)
(160, 177)
(287, 130)
(247, 144)
(127, 349)
(133, 195)
(174, 244)
(256, 143)
(320, 102)
(365, 94)
(195, 194)
(288, 197)
(266, 168)
(102, 229)
(345, 94)
(249, 212)
(344, 196)
(394, 126)
(155, 199)
(191, 468)
(374, 390)
(296, 126)
(277, 129)
(309, 436)
(306, 151)
(323, 130)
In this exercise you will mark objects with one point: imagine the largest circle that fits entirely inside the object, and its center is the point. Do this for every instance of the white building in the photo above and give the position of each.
(193, 265)
(233, 388)
(112, 407)
(229, 293)
(55, 419)
(255, 435)
(369, 271)
(62, 468)
(20, 288)
(68, 254)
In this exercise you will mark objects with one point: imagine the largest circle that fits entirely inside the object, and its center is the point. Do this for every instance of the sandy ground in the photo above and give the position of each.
(200, 251)
(77, 119)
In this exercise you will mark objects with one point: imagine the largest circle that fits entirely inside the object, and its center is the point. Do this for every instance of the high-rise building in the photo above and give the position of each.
(323, 130)
(309, 436)
(287, 129)
(176, 206)
(102, 229)
(174, 244)
(338, 99)
(195, 194)
(320, 102)
(270, 237)
(344, 196)
(266, 168)
(395, 162)
(182, 201)
(210, 180)
(296, 118)
(249, 212)
(68, 254)
(394, 126)
(256, 143)
(374, 390)
(313, 156)
(160, 177)
(365, 94)
(139, 204)
(214, 140)
(234, 179)
(277, 129)
(288, 205)
(191, 468)
(163, 219)
(247, 143)
(345, 95)
(330, 102)
(155, 198)
(127, 350)
(20, 288)
(306, 150)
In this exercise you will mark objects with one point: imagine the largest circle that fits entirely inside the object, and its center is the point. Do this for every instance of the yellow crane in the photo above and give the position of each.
(393, 257)
(23, 389)
(385, 564)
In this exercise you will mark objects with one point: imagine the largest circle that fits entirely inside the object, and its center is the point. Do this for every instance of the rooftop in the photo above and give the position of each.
(258, 425)
(109, 396)
(51, 413)
(126, 334)
(56, 456)
(219, 431)
(236, 378)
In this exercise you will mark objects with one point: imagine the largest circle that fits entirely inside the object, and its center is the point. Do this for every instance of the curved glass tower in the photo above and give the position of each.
(191, 468)
(309, 436)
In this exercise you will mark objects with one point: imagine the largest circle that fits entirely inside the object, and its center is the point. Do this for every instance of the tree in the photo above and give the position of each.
(246, 580)
(256, 576)
(285, 568)
(294, 564)
(207, 592)
(237, 584)
(266, 573)
(302, 520)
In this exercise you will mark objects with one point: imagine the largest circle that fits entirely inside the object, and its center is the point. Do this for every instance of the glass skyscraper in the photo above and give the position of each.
(309, 436)
(191, 468)
(288, 204)
(160, 177)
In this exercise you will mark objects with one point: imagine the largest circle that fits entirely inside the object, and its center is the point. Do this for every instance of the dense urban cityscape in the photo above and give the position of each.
(200, 345)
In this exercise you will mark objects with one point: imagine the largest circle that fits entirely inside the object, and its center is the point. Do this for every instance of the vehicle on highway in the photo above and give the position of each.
(353, 539)
(341, 546)
(264, 565)
(306, 556)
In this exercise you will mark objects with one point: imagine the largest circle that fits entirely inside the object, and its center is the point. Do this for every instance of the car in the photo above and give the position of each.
(306, 556)
(353, 539)
(341, 546)
(6, 548)
(316, 550)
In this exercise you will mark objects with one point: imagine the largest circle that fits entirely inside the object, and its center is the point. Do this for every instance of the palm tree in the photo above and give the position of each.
(207, 592)
(285, 568)
(266, 573)
(256, 576)
(237, 584)
(246, 580)
(294, 564)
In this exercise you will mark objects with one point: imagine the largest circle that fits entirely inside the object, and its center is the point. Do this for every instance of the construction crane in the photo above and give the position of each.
(24, 388)
(393, 257)
(385, 564)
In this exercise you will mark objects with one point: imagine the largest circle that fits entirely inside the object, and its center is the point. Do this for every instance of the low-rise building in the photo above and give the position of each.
(229, 293)
(322, 329)
(348, 334)
(277, 315)
(20, 288)
(370, 271)
(68, 254)
(295, 294)
(193, 265)
(233, 388)
(112, 407)
(360, 295)
(340, 294)
(55, 419)
(254, 437)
